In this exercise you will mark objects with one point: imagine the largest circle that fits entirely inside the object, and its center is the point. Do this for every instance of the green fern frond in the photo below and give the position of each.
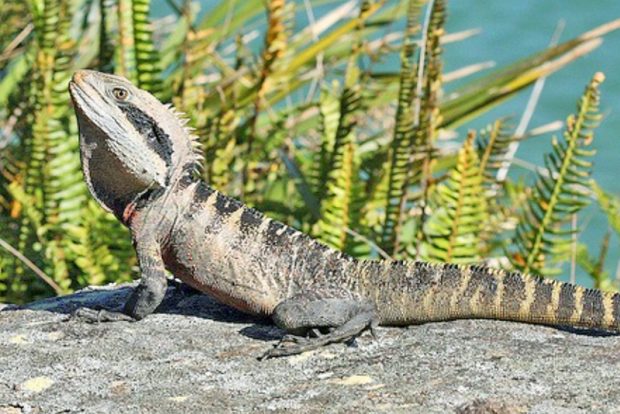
(147, 57)
(329, 116)
(336, 208)
(459, 212)
(219, 148)
(561, 192)
(280, 15)
(492, 146)
(105, 58)
(137, 59)
(401, 146)
(48, 191)
(279, 18)
(100, 247)
(350, 103)
(427, 117)
(342, 163)
(126, 51)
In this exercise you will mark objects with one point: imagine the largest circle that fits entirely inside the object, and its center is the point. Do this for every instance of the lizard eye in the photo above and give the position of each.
(120, 94)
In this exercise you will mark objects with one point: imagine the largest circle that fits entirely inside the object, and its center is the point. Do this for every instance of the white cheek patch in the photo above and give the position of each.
(140, 160)
(131, 150)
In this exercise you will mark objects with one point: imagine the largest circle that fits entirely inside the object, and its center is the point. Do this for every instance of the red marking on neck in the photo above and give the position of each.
(129, 213)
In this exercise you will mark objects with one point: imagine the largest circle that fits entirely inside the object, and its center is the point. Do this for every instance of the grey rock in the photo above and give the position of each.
(195, 355)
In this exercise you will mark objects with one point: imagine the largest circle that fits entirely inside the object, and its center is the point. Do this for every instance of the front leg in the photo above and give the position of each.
(147, 295)
(347, 315)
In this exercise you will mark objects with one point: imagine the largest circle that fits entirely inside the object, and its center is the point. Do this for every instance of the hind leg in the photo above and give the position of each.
(346, 316)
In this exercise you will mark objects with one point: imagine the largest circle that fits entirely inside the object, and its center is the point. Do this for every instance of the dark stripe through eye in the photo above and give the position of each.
(155, 137)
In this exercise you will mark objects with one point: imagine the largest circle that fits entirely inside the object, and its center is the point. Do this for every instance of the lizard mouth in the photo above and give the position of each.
(78, 95)
(82, 93)
(74, 90)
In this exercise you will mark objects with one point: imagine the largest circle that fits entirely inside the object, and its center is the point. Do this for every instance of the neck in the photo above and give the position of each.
(142, 200)
(179, 180)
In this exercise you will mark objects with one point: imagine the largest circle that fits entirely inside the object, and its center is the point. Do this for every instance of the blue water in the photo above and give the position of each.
(515, 29)
(518, 28)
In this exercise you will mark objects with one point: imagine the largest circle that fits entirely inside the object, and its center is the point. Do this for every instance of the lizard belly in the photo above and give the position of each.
(237, 297)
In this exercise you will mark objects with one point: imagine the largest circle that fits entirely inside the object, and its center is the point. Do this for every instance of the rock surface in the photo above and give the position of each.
(195, 355)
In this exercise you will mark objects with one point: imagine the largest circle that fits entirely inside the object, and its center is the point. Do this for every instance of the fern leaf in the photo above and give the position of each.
(278, 26)
(100, 247)
(459, 211)
(336, 207)
(492, 147)
(147, 59)
(329, 116)
(106, 45)
(126, 52)
(279, 18)
(137, 59)
(427, 117)
(50, 187)
(540, 237)
(337, 213)
(398, 157)
(219, 147)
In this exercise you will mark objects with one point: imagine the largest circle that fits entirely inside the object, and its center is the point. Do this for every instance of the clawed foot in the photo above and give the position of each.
(294, 345)
(89, 315)
(310, 333)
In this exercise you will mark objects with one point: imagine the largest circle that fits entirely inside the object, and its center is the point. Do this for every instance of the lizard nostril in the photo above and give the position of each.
(78, 76)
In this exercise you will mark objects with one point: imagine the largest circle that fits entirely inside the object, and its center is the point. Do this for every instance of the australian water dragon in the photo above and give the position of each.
(139, 158)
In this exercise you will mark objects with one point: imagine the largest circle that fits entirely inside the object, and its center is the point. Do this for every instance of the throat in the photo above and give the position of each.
(179, 182)
(139, 202)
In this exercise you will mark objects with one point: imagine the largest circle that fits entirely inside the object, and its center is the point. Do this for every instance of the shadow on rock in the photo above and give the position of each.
(585, 331)
(263, 331)
(180, 299)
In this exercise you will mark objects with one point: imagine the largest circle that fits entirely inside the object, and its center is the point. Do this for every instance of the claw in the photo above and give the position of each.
(291, 345)
(287, 338)
(280, 351)
(291, 340)
(314, 333)
(373, 331)
(86, 314)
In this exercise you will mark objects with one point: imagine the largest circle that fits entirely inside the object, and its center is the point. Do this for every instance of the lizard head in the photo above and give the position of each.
(130, 143)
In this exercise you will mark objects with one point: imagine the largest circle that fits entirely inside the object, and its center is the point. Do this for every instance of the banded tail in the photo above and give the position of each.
(429, 292)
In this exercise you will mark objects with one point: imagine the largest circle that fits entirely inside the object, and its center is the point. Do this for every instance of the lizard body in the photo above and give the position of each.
(138, 160)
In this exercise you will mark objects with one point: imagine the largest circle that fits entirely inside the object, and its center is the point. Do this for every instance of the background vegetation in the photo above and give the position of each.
(303, 128)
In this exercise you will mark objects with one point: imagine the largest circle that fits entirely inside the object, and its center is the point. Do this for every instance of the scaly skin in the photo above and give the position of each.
(138, 160)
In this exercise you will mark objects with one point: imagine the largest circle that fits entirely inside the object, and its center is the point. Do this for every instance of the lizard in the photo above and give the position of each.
(139, 159)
